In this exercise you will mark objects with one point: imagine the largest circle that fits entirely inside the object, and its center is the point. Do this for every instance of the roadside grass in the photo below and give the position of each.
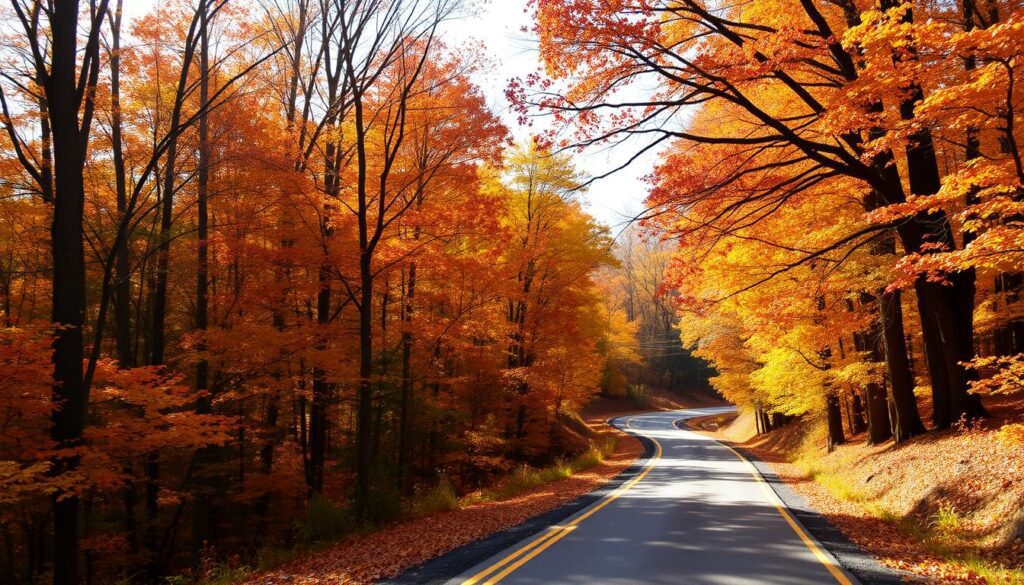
(440, 498)
(327, 523)
(946, 534)
(525, 478)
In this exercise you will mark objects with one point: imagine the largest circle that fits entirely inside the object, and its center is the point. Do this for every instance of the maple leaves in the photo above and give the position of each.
(303, 229)
(804, 139)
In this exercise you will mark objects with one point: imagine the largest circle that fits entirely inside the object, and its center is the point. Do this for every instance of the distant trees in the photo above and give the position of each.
(639, 297)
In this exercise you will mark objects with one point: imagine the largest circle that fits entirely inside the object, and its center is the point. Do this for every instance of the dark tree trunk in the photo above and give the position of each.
(70, 138)
(947, 311)
(69, 392)
(321, 392)
(364, 414)
(857, 422)
(157, 340)
(406, 397)
(122, 271)
(200, 523)
(834, 418)
(879, 425)
(905, 418)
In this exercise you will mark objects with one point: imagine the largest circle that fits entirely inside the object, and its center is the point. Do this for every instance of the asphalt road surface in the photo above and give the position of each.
(697, 514)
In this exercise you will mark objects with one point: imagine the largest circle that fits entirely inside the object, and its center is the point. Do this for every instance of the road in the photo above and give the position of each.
(697, 514)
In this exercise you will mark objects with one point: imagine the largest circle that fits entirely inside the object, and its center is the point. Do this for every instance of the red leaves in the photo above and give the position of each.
(388, 552)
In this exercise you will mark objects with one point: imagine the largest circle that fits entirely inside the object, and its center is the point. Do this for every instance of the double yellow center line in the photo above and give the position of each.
(501, 569)
(519, 557)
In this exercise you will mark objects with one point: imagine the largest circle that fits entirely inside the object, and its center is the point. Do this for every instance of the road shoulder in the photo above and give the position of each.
(444, 568)
(857, 561)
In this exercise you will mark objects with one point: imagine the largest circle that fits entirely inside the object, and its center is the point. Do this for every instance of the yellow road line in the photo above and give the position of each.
(552, 531)
(556, 533)
(524, 554)
(773, 497)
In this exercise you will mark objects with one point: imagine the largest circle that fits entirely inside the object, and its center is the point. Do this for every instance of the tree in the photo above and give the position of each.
(808, 109)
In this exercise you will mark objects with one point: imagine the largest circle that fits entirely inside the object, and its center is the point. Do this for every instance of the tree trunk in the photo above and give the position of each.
(68, 292)
(947, 311)
(364, 414)
(906, 421)
(122, 271)
(857, 423)
(879, 426)
(406, 398)
(321, 392)
(834, 417)
(200, 524)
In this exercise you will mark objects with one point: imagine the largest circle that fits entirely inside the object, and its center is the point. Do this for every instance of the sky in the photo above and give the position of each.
(612, 200)
(512, 53)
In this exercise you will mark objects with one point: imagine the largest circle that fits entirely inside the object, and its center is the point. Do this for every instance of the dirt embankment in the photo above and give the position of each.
(946, 506)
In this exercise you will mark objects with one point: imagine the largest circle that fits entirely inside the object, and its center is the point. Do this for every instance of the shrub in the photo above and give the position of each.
(947, 521)
(440, 498)
(637, 395)
(325, 521)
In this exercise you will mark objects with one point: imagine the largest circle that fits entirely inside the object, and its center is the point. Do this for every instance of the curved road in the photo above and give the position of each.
(697, 514)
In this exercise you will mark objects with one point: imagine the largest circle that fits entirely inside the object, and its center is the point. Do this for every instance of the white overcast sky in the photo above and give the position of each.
(498, 25)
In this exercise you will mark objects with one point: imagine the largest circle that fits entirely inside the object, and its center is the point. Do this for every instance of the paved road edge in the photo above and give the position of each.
(860, 563)
(443, 568)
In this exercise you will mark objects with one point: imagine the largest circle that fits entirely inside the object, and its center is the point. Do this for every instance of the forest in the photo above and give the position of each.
(842, 181)
(272, 270)
(261, 262)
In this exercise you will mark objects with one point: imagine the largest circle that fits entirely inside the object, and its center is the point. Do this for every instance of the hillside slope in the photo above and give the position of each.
(946, 506)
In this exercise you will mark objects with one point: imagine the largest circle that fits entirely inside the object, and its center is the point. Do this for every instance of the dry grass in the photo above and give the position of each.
(388, 552)
(946, 506)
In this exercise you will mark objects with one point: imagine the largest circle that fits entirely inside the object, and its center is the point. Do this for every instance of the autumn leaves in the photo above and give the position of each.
(295, 259)
(842, 179)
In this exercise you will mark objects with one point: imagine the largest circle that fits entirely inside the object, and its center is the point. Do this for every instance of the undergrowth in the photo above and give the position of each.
(525, 478)
(945, 534)
(326, 523)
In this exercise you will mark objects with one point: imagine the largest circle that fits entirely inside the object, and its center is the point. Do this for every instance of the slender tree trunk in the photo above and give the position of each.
(200, 522)
(68, 293)
(157, 326)
(321, 391)
(406, 398)
(834, 418)
(364, 408)
(122, 272)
